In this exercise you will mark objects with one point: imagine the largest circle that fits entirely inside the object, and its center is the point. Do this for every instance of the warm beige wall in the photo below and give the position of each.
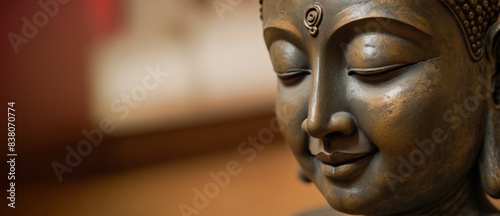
(65, 78)
(219, 69)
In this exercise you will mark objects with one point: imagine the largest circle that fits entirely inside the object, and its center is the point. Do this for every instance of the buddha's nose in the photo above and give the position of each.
(325, 106)
(319, 126)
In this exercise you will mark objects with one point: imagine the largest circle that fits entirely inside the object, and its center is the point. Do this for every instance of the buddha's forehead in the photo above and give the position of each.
(291, 13)
(284, 8)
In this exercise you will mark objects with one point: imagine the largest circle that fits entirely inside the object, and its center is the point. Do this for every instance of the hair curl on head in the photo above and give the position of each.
(475, 18)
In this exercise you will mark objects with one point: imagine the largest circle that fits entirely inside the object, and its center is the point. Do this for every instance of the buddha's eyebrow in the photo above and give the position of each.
(379, 17)
(391, 26)
(275, 29)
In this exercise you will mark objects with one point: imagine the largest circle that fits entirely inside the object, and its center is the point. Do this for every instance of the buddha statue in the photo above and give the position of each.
(391, 106)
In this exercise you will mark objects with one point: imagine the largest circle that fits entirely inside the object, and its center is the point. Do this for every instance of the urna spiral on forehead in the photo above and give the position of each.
(475, 18)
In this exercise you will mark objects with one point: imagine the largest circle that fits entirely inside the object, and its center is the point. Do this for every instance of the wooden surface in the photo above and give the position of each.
(266, 186)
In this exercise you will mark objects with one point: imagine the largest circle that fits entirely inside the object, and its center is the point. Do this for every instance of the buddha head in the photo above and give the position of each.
(390, 106)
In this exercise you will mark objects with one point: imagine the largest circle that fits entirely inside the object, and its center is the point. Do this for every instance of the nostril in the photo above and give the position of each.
(338, 123)
(342, 122)
(334, 135)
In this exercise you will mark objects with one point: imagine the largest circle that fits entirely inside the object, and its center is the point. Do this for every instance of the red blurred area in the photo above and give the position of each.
(105, 16)
(47, 77)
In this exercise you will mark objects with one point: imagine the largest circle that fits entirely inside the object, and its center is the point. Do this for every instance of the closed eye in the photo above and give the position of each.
(290, 74)
(379, 70)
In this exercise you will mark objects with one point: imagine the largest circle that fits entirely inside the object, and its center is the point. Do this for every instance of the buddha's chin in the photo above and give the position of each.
(356, 197)
(362, 196)
(353, 200)
(357, 201)
(359, 195)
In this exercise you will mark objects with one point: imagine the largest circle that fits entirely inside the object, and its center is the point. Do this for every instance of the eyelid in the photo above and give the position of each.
(291, 73)
(378, 70)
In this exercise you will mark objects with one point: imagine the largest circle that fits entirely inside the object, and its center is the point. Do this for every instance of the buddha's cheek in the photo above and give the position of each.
(291, 110)
(395, 114)
(402, 118)
(418, 148)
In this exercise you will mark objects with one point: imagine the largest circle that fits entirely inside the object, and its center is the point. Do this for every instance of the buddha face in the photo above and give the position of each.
(380, 101)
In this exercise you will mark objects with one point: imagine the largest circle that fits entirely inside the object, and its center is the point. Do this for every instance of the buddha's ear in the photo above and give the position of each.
(489, 161)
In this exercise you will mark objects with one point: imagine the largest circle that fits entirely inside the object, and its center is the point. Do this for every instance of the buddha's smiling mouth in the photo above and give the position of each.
(342, 158)
(342, 166)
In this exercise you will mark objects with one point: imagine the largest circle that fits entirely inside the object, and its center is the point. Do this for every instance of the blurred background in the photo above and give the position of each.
(168, 92)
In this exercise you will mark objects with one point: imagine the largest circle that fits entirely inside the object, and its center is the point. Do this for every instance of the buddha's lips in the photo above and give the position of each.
(340, 158)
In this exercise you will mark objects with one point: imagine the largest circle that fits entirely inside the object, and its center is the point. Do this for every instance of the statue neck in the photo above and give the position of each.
(457, 202)
(468, 199)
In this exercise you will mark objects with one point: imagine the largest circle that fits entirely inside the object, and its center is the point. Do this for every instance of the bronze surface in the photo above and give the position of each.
(392, 106)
